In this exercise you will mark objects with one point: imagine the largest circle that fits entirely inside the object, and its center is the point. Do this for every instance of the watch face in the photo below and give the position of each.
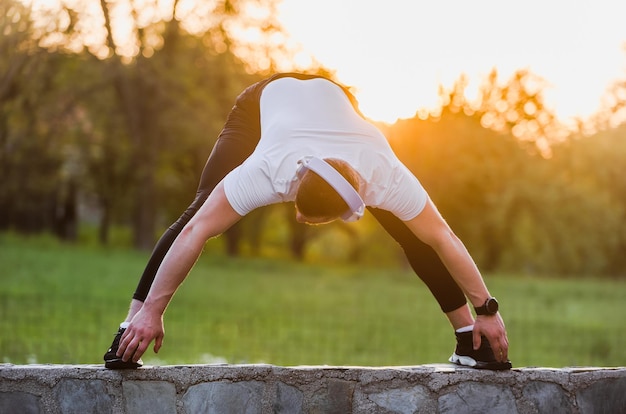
(492, 306)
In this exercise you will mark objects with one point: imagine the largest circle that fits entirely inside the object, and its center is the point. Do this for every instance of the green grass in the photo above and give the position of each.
(61, 304)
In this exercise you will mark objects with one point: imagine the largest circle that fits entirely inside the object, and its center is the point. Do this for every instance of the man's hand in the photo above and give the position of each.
(492, 327)
(144, 327)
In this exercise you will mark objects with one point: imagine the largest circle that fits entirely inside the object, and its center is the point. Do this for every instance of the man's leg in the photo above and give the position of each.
(235, 143)
(229, 152)
(461, 317)
(226, 155)
(429, 267)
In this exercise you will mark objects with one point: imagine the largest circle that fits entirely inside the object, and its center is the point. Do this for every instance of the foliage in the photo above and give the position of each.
(593, 166)
(517, 207)
(31, 144)
(517, 106)
(98, 127)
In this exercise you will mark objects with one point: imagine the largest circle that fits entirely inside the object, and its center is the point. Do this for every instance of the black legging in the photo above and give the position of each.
(235, 143)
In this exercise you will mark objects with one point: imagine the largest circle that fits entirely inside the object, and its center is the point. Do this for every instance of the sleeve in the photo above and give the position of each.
(249, 187)
(406, 197)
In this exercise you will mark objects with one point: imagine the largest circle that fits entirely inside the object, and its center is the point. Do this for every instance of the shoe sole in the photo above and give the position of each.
(467, 361)
(117, 363)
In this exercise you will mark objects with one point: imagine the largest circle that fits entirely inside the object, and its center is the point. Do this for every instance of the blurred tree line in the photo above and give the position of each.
(111, 123)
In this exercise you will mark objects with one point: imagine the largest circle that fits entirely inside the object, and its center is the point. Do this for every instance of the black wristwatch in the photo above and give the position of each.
(489, 308)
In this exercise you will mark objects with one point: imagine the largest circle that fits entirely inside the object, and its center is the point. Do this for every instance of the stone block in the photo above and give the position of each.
(547, 398)
(154, 397)
(19, 402)
(334, 397)
(83, 396)
(476, 397)
(604, 396)
(404, 400)
(288, 399)
(224, 397)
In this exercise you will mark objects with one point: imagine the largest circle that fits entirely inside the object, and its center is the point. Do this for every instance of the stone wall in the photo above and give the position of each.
(271, 389)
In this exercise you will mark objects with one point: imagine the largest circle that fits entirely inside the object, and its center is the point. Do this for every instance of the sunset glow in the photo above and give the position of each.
(396, 53)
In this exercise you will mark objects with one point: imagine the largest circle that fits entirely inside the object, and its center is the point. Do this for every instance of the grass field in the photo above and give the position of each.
(61, 304)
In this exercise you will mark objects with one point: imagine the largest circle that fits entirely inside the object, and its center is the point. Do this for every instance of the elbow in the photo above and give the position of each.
(192, 234)
(444, 239)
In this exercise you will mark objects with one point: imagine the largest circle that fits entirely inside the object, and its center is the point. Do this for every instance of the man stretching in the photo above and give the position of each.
(301, 138)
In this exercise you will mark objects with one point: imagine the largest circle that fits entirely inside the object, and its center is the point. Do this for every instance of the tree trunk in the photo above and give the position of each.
(132, 96)
(67, 214)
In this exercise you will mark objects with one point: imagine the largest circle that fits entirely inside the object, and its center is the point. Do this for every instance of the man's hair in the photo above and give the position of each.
(316, 198)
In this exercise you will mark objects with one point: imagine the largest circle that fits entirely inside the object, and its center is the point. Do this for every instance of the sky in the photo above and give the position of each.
(397, 52)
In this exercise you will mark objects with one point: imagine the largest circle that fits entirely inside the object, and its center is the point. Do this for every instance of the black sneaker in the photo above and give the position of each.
(483, 358)
(112, 361)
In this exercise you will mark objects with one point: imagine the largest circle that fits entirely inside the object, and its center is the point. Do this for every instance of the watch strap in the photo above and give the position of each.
(490, 307)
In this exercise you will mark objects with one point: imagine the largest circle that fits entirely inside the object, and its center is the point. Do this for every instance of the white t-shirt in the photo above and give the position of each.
(314, 117)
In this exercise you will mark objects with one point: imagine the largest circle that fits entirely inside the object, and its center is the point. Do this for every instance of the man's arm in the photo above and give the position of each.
(432, 229)
(214, 217)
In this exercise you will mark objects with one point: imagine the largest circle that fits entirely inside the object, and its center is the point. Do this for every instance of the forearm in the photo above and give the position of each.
(174, 269)
(214, 217)
(432, 229)
(464, 271)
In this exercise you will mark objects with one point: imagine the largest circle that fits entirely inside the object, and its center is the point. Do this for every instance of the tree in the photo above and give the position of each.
(149, 85)
(472, 174)
(31, 147)
(513, 207)
(594, 165)
(518, 107)
(142, 90)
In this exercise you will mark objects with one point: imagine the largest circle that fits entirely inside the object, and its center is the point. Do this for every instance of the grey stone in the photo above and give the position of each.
(83, 396)
(253, 389)
(403, 400)
(288, 399)
(19, 402)
(475, 397)
(605, 396)
(224, 397)
(547, 398)
(153, 397)
(335, 397)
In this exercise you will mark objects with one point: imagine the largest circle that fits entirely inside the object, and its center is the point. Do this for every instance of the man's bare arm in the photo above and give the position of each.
(214, 217)
(432, 229)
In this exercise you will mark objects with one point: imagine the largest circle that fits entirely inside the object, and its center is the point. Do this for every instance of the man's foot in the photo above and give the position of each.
(483, 358)
(112, 361)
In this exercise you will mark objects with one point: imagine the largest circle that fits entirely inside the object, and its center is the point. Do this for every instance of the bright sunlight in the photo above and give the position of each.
(396, 53)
